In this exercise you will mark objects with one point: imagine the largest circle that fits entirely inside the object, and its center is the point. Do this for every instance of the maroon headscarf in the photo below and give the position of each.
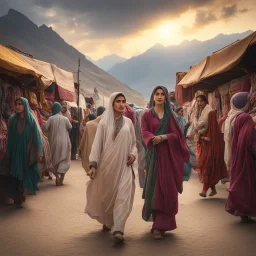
(130, 113)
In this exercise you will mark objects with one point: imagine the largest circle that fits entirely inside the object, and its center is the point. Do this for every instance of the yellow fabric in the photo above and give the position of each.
(43, 103)
(11, 61)
(33, 98)
(219, 62)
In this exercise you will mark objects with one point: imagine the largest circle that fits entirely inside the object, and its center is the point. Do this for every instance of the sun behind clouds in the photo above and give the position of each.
(165, 30)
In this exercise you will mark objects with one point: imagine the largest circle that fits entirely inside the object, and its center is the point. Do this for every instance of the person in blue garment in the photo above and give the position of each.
(24, 147)
(192, 161)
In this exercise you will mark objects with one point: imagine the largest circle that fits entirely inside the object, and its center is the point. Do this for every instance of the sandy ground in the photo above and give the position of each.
(53, 223)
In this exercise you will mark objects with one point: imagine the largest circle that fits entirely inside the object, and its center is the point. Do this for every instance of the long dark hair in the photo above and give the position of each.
(203, 98)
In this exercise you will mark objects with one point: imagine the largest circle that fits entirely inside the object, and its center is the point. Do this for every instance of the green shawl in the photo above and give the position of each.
(24, 148)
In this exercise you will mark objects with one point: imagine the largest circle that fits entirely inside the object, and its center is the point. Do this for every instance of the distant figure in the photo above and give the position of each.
(65, 112)
(57, 128)
(192, 161)
(110, 193)
(100, 111)
(85, 146)
(173, 100)
(210, 147)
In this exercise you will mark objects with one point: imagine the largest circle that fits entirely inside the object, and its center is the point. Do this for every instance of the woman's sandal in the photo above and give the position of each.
(118, 237)
(106, 228)
(157, 234)
(246, 219)
(203, 194)
(58, 181)
(213, 193)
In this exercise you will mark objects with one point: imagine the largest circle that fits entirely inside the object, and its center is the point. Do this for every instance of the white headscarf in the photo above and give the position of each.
(232, 114)
(108, 118)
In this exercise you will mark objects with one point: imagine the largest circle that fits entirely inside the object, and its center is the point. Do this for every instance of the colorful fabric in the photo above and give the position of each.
(46, 164)
(242, 190)
(253, 82)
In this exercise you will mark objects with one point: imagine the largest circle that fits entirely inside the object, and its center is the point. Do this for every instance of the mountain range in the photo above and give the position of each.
(45, 44)
(109, 61)
(159, 64)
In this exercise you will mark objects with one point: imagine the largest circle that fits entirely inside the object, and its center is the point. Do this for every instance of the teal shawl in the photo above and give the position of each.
(24, 148)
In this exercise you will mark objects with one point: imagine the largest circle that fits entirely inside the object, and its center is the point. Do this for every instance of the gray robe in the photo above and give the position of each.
(57, 129)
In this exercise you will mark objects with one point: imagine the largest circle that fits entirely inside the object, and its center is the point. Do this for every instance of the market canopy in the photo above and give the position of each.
(65, 83)
(11, 61)
(219, 62)
(42, 68)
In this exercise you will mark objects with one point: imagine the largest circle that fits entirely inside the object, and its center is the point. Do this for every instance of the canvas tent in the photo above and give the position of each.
(234, 61)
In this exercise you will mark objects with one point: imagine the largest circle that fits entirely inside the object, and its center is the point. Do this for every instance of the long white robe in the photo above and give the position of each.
(57, 129)
(110, 195)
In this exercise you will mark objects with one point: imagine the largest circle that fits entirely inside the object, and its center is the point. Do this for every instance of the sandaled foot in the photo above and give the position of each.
(203, 194)
(58, 181)
(62, 179)
(246, 219)
(213, 193)
(8, 201)
(157, 234)
(106, 228)
(118, 237)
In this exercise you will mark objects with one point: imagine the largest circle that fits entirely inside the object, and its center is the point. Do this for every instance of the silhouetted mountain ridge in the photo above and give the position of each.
(159, 64)
(45, 44)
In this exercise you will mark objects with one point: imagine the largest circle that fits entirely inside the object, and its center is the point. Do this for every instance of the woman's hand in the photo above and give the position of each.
(131, 160)
(156, 140)
(39, 159)
(206, 139)
(92, 173)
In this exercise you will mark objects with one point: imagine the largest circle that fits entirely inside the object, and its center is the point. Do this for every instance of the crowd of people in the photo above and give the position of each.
(156, 141)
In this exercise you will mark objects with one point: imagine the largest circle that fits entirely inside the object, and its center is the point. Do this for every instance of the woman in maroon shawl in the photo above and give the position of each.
(210, 156)
(242, 191)
(166, 154)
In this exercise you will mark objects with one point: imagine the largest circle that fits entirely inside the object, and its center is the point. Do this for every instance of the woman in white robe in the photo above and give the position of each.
(57, 129)
(110, 192)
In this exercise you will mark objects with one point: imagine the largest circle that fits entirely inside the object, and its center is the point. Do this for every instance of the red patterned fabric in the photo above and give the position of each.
(66, 95)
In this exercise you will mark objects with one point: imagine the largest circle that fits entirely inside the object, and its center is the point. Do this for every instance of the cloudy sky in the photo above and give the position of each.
(129, 27)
